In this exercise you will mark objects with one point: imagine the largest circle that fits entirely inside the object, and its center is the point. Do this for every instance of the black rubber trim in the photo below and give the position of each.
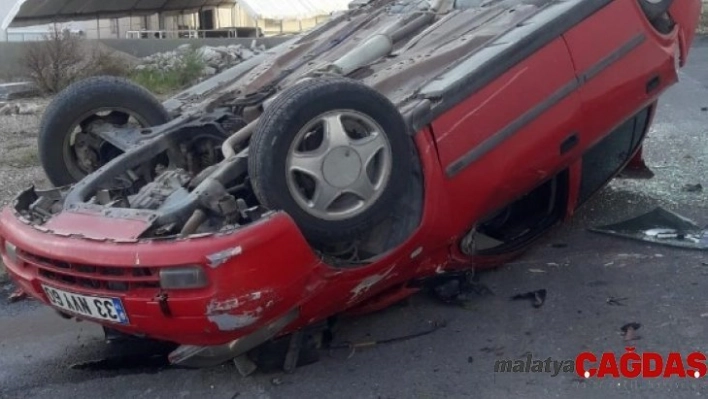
(510, 129)
(613, 57)
(495, 140)
(512, 56)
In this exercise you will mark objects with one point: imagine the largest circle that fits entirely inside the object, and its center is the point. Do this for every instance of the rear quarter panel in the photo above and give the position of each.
(617, 55)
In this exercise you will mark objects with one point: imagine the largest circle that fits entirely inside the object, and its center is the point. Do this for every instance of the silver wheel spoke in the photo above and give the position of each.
(325, 195)
(308, 163)
(367, 148)
(335, 133)
(362, 187)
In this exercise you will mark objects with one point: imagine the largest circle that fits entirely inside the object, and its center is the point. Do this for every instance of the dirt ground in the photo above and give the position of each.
(19, 162)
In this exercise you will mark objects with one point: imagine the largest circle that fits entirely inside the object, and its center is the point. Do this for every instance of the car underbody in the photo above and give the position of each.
(189, 176)
(321, 175)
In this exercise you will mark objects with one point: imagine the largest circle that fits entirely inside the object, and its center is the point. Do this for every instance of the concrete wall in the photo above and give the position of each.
(11, 52)
(10, 59)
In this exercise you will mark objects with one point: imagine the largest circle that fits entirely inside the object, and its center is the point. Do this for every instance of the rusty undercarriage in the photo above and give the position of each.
(199, 182)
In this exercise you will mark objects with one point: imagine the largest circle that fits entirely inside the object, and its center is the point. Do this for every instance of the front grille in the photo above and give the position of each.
(107, 278)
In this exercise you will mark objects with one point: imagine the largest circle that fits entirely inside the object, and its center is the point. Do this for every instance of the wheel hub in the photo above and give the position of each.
(345, 171)
(342, 167)
(84, 150)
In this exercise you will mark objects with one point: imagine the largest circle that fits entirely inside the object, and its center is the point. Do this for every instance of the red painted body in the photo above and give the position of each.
(273, 270)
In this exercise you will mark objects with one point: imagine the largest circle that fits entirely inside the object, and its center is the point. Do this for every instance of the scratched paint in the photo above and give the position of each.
(366, 284)
(230, 322)
(216, 306)
(226, 315)
(219, 258)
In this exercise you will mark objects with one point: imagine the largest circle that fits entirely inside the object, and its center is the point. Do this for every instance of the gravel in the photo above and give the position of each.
(19, 162)
(216, 59)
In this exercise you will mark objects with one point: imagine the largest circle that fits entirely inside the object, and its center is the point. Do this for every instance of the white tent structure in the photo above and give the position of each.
(15, 13)
(292, 9)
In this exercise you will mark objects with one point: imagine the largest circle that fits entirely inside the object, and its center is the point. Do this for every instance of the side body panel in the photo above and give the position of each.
(513, 134)
(535, 106)
(623, 72)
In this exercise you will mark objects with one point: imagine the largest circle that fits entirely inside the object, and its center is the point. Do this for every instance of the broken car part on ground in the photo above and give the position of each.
(336, 172)
(660, 226)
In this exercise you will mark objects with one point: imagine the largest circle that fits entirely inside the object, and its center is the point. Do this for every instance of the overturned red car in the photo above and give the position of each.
(399, 141)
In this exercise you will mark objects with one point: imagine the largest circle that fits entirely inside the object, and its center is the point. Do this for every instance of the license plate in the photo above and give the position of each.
(107, 309)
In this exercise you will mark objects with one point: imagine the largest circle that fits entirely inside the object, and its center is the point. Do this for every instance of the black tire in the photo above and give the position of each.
(655, 8)
(279, 126)
(82, 98)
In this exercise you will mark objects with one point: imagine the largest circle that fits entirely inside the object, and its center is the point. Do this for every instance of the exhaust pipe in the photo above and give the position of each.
(372, 49)
(379, 45)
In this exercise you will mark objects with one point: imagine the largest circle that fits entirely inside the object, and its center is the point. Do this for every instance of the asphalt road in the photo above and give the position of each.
(665, 291)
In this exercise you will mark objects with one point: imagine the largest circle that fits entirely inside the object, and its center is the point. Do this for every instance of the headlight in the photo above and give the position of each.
(11, 251)
(189, 277)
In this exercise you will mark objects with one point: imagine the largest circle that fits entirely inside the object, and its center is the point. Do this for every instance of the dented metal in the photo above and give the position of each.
(232, 322)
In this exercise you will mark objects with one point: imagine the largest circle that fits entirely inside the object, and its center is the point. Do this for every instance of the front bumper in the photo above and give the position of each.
(263, 272)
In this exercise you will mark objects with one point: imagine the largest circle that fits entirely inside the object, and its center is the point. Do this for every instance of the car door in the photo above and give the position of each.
(511, 135)
(623, 64)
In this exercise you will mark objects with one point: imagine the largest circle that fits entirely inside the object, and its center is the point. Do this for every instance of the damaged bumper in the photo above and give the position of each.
(209, 356)
(235, 284)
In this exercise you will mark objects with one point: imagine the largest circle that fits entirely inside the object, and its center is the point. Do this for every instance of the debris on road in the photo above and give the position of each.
(245, 366)
(457, 288)
(17, 295)
(629, 331)
(353, 346)
(692, 188)
(538, 297)
(660, 226)
(498, 350)
(19, 109)
(612, 301)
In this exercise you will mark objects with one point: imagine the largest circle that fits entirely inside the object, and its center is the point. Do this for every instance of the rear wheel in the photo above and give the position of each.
(68, 149)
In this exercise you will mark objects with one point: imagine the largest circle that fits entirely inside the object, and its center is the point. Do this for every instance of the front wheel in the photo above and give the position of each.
(68, 149)
(334, 155)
